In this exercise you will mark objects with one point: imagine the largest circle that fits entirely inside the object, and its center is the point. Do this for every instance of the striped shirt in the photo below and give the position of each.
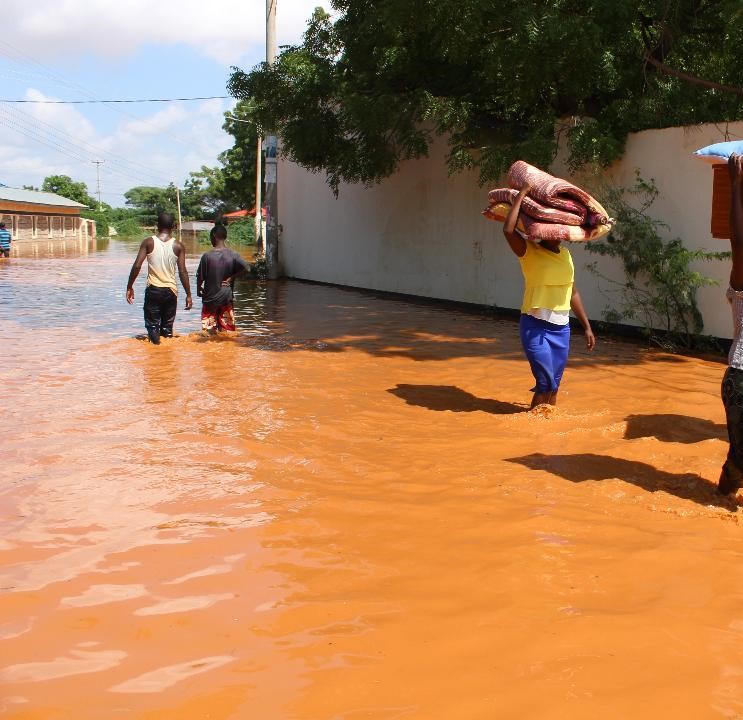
(735, 356)
(5, 238)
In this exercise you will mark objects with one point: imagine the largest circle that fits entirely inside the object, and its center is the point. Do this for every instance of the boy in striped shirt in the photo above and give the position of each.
(5, 240)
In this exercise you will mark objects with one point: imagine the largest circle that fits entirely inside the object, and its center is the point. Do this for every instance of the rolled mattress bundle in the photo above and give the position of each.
(554, 209)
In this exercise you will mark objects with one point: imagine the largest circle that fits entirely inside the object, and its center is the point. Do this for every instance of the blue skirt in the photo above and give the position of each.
(546, 346)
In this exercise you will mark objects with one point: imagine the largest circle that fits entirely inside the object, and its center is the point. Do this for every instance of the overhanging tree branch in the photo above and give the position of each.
(693, 79)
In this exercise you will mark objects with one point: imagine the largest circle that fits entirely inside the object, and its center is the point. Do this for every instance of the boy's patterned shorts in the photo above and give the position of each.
(216, 319)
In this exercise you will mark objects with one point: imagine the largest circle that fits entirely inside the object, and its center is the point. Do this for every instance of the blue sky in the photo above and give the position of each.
(82, 49)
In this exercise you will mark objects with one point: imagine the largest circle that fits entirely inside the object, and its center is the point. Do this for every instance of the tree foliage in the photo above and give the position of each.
(213, 191)
(210, 192)
(65, 186)
(238, 163)
(151, 201)
(502, 81)
(241, 232)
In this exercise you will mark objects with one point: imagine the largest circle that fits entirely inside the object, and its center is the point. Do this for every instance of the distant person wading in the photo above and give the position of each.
(5, 239)
(165, 256)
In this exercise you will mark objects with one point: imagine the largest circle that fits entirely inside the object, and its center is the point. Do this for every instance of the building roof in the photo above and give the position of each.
(244, 213)
(36, 197)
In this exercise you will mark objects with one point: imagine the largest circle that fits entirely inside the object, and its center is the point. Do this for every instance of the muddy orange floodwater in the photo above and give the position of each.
(344, 512)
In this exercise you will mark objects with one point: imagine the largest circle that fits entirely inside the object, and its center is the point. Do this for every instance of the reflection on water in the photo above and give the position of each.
(90, 298)
(82, 662)
(162, 678)
(343, 511)
(56, 248)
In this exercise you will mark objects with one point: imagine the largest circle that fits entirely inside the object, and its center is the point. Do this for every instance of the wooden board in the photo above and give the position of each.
(720, 221)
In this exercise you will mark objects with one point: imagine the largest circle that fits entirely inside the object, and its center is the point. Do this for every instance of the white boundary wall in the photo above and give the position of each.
(420, 232)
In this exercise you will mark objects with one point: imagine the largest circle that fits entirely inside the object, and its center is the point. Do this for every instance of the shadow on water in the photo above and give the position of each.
(263, 341)
(673, 428)
(392, 326)
(452, 398)
(582, 467)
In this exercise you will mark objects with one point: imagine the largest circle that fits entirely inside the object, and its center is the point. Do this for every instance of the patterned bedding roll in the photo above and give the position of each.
(555, 192)
(553, 231)
(535, 209)
(536, 231)
(554, 209)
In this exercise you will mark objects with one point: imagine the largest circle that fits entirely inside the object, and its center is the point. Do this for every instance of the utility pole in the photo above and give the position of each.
(178, 203)
(259, 239)
(98, 164)
(272, 210)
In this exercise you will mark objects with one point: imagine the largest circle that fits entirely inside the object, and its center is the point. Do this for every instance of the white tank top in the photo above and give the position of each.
(162, 264)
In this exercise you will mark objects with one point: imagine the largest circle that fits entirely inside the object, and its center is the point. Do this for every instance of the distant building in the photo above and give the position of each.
(192, 228)
(32, 215)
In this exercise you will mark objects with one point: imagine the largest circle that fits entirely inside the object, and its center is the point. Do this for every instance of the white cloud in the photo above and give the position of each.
(160, 122)
(66, 118)
(155, 150)
(40, 38)
(225, 30)
(18, 168)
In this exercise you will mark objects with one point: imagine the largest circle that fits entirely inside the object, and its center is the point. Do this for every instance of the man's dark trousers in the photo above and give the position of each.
(160, 305)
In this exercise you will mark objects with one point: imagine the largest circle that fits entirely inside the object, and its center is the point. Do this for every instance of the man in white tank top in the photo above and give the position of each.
(165, 256)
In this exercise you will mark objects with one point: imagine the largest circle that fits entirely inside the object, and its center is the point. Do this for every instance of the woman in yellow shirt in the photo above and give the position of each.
(549, 295)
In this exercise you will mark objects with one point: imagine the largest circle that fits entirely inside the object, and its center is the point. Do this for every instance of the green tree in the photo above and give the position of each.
(502, 82)
(230, 185)
(239, 161)
(65, 186)
(151, 201)
(203, 192)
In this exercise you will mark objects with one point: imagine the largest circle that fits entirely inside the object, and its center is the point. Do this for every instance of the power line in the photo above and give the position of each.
(39, 127)
(72, 150)
(147, 100)
(16, 55)
(62, 142)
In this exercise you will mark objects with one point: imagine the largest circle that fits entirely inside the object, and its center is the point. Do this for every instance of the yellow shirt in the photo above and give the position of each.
(548, 278)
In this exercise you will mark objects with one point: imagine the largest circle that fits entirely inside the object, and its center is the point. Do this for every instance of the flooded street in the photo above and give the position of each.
(344, 512)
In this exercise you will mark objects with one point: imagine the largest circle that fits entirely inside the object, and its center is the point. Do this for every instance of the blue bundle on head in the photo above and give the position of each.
(719, 153)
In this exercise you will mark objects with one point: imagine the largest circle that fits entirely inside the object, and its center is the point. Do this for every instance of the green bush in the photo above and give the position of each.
(127, 226)
(101, 221)
(241, 232)
(659, 288)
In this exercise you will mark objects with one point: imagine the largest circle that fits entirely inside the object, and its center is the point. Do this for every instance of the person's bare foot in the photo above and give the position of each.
(543, 409)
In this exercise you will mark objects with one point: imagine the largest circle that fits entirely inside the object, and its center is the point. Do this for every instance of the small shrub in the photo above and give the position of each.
(101, 221)
(660, 287)
(127, 226)
(241, 232)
